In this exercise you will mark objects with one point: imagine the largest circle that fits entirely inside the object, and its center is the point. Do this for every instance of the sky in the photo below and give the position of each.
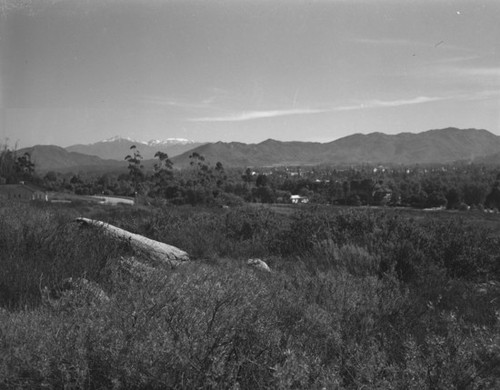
(79, 71)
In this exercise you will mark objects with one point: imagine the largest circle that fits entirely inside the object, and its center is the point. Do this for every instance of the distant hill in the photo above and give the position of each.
(490, 159)
(117, 148)
(267, 153)
(54, 158)
(433, 146)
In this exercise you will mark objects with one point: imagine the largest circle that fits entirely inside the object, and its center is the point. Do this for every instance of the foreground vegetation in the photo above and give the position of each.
(358, 298)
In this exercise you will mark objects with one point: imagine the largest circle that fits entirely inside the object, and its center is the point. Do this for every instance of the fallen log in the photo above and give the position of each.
(154, 250)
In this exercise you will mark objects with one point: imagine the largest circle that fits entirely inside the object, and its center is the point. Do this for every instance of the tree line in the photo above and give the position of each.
(457, 186)
(14, 167)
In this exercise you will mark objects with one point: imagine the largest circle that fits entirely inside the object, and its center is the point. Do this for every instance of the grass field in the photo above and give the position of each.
(357, 298)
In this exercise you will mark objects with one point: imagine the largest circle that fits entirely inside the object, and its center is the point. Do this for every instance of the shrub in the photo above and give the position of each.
(40, 247)
(254, 231)
(357, 299)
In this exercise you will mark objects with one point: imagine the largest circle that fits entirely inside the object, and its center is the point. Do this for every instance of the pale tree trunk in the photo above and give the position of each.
(153, 250)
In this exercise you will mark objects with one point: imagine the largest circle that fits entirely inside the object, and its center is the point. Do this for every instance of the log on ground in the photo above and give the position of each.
(154, 250)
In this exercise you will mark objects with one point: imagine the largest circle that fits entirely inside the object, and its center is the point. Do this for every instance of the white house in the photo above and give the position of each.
(299, 199)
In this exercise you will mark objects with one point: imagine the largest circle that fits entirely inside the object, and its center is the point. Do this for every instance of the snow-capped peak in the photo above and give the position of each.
(118, 138)
(170, 141)
(153, 142)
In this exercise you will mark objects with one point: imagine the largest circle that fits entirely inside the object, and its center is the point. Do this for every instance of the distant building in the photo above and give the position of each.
(299, 199)
(22, 191)
(114, 200)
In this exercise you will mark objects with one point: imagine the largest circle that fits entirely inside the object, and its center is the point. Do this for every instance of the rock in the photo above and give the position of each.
(259, 264)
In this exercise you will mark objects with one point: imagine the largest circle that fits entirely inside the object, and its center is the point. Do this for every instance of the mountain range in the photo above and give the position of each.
(433, 146)
(54, 158)
(116, 148)
(429, 147)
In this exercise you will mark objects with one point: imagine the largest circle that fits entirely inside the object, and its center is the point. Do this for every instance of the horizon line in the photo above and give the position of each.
(4, 144)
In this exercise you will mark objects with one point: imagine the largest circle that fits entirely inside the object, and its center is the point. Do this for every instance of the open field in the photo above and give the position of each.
(59, 197)
(357, 297)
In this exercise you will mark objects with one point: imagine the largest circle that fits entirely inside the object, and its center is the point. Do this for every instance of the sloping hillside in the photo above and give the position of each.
(54, 158)
(117, 148)
(433, 146)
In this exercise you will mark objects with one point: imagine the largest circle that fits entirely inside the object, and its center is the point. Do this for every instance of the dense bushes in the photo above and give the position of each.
(356, 299)
(40, 246)
(206, 326)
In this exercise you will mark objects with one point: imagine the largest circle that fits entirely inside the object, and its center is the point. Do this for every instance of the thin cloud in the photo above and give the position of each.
(386, 41)
(179, 103)
(213, 100)
(253, 115)
(389, 103)
(480, 71)
(208, 104)
(478, 75)
(439, 45)
(403, 102)
(481, 95)
(456, 59)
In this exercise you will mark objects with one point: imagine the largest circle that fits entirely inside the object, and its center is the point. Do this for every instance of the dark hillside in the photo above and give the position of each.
(430, 147)
(118, 148)
(54, 158)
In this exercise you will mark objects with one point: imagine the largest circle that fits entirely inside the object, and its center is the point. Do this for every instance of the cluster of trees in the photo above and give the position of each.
(201, 183)
(14, 167)
(453, 187)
